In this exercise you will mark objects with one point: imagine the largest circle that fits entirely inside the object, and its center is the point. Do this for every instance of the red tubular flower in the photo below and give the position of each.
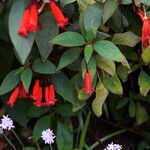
(24, 22)
(140, 13)
(50, 95)
(37, 93)
(146, 32)
(88, 84)
(13, 97)
(22, 92)
(33, 19)
(58, 15)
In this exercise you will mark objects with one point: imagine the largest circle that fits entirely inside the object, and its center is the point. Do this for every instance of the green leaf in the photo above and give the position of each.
(146, 55)
(68, 39)
(88, 50)
(63, 86)
(109, 8)
(113, 84)
(64, 139)
(146, 2)
(26, 77)
(92, 17)
(22, 45)
(43, 67)
(42, 124)
(109, 50)
(132, 109)
(18, 112)
(127, 38)
(49, 30)
(144, 83)
(68, 57)
(101, 95)
(29, 148)
(122, 103)
(9, 82)
(106, 64)
(65, 2)
(35, 112)
(141, 114)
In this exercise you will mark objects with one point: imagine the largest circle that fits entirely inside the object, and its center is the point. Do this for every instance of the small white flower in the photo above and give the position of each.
(6, 123)
(48, 136)
(113, 146)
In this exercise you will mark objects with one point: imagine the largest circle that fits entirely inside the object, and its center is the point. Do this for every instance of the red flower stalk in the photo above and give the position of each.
(37, 93)
(146, 32)
(33, 19)
(50, 95)
(145, 29)
(13, 97)
(58, 15)
(88, 84)
(24, 23)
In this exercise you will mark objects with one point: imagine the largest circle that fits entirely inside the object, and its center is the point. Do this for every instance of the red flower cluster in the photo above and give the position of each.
(49, 95)
(88, 83)
(30, 21)
(19, 92)
(145, 29)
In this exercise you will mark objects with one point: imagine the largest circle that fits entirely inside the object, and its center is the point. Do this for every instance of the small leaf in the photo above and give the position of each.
(101, 95)
(42, 124)
(144, 83)
(68, 57)
(141, 114)
(35, 112)
(146, 55)
(109, 8)
(113, 84)
(106, 64)
(9, 82)
(64, 139)
(127, 38)
(26, 77)
(62, 86)
(132, 109)
(88, 50)
(92, 18)
(65, 2)
(22, 45)
(109, 50)
(68, 39)
(49, 30)
(43, 67)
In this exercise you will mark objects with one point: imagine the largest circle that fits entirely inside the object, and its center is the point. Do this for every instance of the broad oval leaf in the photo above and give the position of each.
(106, 64)
(43, 67)
(49, 30)
(109, 8)
(113, 84)
(9, 82)
(146, 2)
(68, 39)
(101, 95)
(64, 138)
(127, 38)
(65, 2)
(109, 50)
(88, 50)
(22, 45)
(144, 83)
(63, 86)
(42, 124)
(26, 77)
(68, 57)
(146, 55)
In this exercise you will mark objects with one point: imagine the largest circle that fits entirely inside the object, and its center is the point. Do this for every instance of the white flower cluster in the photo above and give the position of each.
(113, 146)
(48, 136)
(6, 123)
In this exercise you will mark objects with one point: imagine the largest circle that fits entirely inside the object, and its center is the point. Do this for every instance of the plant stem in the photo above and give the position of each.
(107, 137)
(51, 148)
(17, 137)
(9, 142)
(37, 145)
